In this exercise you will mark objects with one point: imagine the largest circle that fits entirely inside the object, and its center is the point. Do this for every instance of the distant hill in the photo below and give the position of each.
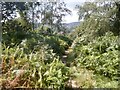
(71, 25)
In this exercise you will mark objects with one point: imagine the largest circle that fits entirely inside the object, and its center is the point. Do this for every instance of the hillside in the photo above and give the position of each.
(71, 25)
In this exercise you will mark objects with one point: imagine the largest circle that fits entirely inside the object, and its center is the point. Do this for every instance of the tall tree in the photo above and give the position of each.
(103, 12)
(50, 13)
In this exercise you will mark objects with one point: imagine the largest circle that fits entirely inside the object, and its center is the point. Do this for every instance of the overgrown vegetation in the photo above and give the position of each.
(47, 57)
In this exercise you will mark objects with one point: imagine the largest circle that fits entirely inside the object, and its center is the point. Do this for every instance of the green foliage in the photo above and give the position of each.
(9, 9)
(100, 55)
(105, 13)
(104, 82)
(96, 42)
(33, 58)
(57, 44)
(42, 69)
(84, 9)
(14, 32)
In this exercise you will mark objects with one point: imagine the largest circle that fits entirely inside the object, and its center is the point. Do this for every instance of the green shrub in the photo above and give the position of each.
(100, 55)
(58, 45)
(41, 69)
(13, 32)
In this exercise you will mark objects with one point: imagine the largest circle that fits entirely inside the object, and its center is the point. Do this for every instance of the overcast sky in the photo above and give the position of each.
(70, 4)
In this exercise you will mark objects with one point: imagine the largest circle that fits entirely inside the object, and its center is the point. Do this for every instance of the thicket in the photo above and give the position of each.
(34, 58)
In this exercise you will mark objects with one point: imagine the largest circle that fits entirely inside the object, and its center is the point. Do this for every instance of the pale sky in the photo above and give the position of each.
(70, 4)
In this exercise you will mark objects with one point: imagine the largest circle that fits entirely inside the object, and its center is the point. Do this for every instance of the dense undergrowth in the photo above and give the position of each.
(39, 69)
(88, 57)
(101, 55)
(38, 63)
(35, 61)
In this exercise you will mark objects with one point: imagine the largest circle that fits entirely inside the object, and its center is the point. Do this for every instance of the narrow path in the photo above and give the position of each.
(71, 83)
(65, 55)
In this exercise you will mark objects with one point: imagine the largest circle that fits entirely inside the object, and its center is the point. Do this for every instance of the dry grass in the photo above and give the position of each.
(82, 78)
